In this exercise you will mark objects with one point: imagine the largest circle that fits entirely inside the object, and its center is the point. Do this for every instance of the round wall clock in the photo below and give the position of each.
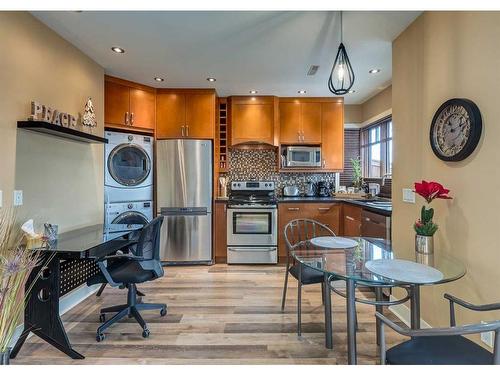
(456, 129)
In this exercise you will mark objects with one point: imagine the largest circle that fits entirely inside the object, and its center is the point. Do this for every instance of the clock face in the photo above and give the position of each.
(455, 130)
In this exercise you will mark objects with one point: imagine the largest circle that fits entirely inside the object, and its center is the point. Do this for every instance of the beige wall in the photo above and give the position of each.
(377, 105)
(434, 60)
(353, 114)
(62, 180)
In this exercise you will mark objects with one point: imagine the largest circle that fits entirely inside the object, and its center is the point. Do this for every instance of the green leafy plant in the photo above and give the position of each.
(357, 179)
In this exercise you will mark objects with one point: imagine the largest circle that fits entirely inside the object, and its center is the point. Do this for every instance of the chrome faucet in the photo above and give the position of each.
(384, 177)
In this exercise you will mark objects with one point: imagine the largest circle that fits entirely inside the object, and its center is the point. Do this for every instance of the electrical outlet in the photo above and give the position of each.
(487, 337)
(18, 197)
(408, 196)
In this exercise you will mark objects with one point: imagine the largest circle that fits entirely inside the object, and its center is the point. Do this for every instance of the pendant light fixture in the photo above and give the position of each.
(342, 75)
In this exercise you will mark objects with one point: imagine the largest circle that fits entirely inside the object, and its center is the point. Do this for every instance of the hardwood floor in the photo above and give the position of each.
(216, 315)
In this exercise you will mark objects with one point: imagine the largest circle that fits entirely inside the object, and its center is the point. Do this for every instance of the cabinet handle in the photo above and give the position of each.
(324, 163)
(349, 218)
(187, 130)
(131, 118)
(298, 136)
(323, 208)
(182, 130)
(293, 209)
(126, 118)
(302, 136)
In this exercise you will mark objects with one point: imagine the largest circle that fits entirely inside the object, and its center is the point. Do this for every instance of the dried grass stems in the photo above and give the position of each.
(16, 263)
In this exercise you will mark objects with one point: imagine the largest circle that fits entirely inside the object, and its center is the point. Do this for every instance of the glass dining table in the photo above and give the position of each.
(355, 265)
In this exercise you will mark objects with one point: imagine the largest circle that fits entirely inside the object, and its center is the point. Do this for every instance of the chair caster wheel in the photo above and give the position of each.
(99, 337)
(102, 318)
(145, 333)
(163, 312)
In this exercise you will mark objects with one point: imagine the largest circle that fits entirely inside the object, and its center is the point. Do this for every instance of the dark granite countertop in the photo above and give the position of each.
(369, 205)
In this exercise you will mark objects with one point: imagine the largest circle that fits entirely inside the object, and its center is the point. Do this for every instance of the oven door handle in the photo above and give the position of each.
(257, 248)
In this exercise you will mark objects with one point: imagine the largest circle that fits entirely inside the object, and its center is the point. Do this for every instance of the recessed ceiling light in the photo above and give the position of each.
(117, 49)
(211, 79)
(253, 91)
(301, 91)
(373, 71)
(352, 91)
(159, 79)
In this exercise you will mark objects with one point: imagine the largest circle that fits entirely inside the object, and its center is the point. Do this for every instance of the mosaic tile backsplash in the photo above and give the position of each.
(262, 165)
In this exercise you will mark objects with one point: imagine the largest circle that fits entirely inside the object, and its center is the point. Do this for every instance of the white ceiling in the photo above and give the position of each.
(266, 51)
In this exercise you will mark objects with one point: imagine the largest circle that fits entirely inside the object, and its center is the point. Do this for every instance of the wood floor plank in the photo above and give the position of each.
(216, 315)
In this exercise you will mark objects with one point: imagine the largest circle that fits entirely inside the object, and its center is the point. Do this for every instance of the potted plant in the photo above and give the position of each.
(357, 178)
(16, 263)
(425, 226)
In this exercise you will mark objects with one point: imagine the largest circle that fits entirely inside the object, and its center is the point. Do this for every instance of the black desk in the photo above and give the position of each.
(66, 265)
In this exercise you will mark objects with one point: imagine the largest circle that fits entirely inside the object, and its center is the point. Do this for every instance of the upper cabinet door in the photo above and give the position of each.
(332, 130)
(142, 108)
(116, 104)
(290, 130)
(253, 120)
(311, 122)
(170, 115)
(200, 116)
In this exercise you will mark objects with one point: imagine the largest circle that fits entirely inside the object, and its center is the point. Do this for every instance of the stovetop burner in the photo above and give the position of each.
(252, 193)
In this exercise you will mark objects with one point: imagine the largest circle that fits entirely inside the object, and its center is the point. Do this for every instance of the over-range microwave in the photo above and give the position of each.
(302, 156)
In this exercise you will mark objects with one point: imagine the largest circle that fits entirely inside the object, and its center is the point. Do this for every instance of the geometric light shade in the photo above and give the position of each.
(342, 75)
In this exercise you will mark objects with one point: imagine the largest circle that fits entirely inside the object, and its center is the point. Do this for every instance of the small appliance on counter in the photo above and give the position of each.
(291, 191)
(252, 223)
(324, 189)
(310, 189)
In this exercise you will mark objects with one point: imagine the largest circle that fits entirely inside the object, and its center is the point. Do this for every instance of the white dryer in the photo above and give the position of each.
(129, 213)
(129, 167)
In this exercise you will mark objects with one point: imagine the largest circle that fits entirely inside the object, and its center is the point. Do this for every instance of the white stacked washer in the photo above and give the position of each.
(128, 180)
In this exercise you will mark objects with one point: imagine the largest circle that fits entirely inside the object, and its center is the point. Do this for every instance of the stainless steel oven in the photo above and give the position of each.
(252, 226)
(302, 156)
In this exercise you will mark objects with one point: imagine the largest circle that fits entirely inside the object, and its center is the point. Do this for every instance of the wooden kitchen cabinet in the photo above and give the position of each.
(332, 135)
(185, 113)
(325, 213)
(220, 232)
(300, 122)
(254, 120)
(352, 220)
(128, 104)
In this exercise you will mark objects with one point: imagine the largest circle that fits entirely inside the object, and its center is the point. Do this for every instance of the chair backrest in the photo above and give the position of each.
(299, 232)
(148, 245)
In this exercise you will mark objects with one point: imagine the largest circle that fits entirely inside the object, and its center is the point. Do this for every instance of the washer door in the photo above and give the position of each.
(131, 217)
(129, 164)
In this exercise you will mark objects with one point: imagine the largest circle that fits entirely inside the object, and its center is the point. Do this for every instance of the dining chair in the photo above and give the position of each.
(442, 346)
(298, 234)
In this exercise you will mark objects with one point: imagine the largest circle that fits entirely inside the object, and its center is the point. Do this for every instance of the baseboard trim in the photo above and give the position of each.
(403, 313)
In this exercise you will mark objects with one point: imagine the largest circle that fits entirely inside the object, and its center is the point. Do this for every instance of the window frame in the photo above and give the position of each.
(384, 139)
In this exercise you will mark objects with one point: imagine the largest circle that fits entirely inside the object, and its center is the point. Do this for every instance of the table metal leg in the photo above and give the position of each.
(327, 298)
(351, 321)
(379, 309)
(299, 301)
(415, 307)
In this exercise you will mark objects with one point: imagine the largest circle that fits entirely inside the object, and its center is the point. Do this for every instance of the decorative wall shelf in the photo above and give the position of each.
(60, 131)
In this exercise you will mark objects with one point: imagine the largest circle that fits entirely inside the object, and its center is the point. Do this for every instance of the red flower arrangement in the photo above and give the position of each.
(429, 191)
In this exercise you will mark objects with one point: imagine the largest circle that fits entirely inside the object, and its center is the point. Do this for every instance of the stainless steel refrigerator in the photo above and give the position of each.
(184, 197)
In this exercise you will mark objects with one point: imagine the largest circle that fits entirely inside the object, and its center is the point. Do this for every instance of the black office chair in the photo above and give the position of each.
(298, 233)
(127, 270)
(442, 346)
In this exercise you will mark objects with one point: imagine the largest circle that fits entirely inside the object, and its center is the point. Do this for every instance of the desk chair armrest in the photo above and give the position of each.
(467, 305)
(447, 331)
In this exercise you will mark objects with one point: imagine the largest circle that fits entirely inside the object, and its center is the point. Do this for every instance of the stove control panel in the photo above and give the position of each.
(252, 185)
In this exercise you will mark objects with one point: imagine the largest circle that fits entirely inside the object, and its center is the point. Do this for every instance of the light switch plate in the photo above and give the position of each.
(18, 197)
(408, 196)
(487, 337)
